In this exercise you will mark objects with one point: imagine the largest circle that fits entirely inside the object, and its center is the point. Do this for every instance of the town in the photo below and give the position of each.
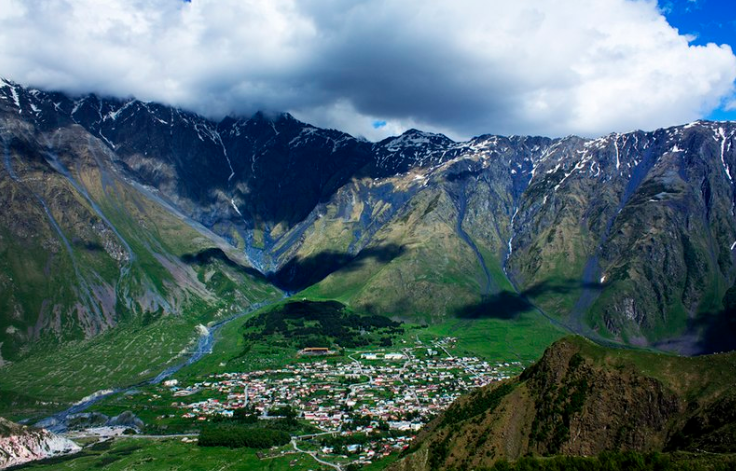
(383, 397)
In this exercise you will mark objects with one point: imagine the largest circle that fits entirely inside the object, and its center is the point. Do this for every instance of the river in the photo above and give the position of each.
(58, 423)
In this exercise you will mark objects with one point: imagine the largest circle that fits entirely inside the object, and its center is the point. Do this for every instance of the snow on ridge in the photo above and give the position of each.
(557, 167)
(720, 132)
(597, 169)
(113, 115)
(232, 202)
(109, 142)
(541, 159)
(511, 237)
(337, 143)
(405, 141)
(16, 99)
(563, 180)
(413, 138)
(581, 163)
(305, 133)
(618, 154)
(599, 142)
(77, 105)
(214, 136)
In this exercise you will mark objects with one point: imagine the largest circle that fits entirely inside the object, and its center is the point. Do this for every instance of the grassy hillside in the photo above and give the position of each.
(581, 399)
(107, 288)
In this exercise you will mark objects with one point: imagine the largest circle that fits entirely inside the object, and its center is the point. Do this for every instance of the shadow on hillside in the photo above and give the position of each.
(504, 305)
(214, 254)
(300, 273)
(707, 333)
(87, 245)
(719, 330)
(507, 305)
(719, 335)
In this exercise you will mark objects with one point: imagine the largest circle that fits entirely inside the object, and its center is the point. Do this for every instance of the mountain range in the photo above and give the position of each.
(125, 216)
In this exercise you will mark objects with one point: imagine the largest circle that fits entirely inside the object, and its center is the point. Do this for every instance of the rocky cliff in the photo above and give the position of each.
(19, 444)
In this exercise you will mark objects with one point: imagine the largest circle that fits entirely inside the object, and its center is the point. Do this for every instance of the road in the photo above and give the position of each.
(313, 454)
(82, 434)
(163, 437)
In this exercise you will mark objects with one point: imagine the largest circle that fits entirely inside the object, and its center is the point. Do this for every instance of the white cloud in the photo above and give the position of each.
(466, 67)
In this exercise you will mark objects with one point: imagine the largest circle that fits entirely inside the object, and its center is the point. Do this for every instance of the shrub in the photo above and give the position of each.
(233, 436)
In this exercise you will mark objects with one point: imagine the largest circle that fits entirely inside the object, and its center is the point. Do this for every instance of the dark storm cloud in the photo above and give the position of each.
(465, 67)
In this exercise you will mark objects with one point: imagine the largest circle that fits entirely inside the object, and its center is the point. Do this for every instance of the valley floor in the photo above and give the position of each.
(362, 407)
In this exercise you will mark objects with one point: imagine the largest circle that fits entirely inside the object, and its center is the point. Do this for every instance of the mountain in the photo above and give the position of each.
(153, 219)
(581, 399)
(102, 280)
(19, 444)
(645, 224)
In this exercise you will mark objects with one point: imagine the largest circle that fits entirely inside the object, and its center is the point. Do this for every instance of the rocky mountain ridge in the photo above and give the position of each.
(86, 249)
(628, 236)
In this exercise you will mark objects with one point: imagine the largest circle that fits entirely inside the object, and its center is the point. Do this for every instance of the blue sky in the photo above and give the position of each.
(708, 21)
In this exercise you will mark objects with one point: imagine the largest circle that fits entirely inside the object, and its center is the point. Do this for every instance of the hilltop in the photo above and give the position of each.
(581, 399)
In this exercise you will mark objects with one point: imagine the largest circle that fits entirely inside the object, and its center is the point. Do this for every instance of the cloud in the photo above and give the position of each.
(467, 67)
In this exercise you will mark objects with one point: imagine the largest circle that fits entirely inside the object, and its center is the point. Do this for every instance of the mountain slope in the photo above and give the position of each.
(645, 224)
(86, 251)
(581, 399)
(453, 221)
(626, 238)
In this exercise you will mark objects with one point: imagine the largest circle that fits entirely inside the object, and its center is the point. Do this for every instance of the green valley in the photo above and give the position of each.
(178, 292)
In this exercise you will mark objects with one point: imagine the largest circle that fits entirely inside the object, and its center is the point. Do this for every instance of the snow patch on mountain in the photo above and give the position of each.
(113, 115)
(235, 207)
(16, 98)
(720, 132)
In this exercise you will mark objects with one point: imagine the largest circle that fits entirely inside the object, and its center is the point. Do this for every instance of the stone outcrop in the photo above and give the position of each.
(20, 444)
